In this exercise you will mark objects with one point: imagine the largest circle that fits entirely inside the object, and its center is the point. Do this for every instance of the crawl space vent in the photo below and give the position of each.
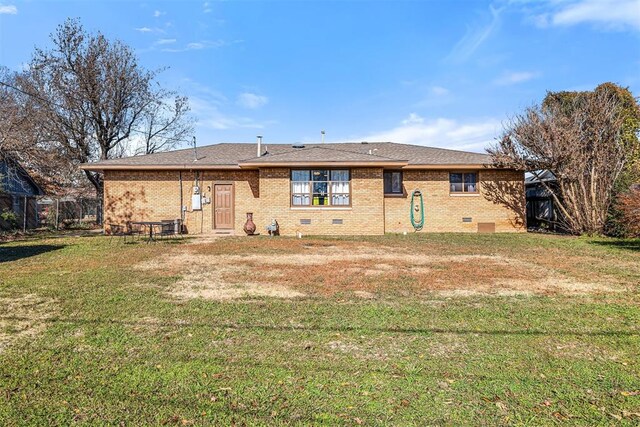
(336, 221)
(486, 227)
(305, 221)
(466, 219)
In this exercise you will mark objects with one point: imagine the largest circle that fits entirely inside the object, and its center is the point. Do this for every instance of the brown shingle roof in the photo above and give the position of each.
(319, 154)
(235, 155)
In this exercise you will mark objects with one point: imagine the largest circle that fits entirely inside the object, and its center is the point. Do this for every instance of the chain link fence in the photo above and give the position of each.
(18, 212)
(67, 212)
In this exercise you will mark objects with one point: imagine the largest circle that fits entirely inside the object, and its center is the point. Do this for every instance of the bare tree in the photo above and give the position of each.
(91, 95)
(165, 123)
(21, 138)
(9, 108)
(583, 146)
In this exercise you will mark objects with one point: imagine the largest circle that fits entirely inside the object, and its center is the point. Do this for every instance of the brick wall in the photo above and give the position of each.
(155, 195)
(140, 196)
(247, 197)
(501, 201)
(365, 216)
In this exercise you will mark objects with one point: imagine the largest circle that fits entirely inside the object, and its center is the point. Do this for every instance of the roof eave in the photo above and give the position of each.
(97, 167)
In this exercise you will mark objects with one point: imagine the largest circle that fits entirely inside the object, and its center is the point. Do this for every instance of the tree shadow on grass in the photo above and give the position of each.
(13, 253)
(630, 245)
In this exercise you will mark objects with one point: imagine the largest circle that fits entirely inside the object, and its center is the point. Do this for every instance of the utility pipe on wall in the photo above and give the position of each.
(182, 217)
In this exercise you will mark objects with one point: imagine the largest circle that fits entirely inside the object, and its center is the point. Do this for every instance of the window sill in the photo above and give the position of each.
(320, 208)
(461, 194)
(394, 195)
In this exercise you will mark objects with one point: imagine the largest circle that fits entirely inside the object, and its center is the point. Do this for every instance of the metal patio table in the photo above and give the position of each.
(151, 225)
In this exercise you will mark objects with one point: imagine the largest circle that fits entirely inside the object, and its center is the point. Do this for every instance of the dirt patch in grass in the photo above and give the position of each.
(362, 270)
(382, 348)
(23, 317)
(577, 349)
(204, 277)
(364, 294)
(437, 346)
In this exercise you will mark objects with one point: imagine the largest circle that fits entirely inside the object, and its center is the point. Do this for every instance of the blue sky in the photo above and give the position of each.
(439, 73)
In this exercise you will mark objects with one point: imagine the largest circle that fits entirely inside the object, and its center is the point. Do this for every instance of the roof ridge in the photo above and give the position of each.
(365, 154)
(314, 147)
(275, 154)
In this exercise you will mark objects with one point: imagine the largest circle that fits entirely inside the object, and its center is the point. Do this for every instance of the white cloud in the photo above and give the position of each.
(166, 41)
(150, 30)
(211, 108)
(210, 117)
(212, 96)
(605, 14)
(412, 119)
(610, 13)
(195, 46)
(158, 14)
(439, 90)
(200, 45)
(540, 20)
(8, 9)
(475, 37)
(515, 77)
(472, 135)
(206, 7)
(251, 100)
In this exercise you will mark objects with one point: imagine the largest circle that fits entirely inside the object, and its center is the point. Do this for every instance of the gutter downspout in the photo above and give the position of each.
(181, 203)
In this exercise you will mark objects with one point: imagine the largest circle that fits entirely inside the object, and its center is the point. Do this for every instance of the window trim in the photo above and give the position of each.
(463, 192)
(310, 194)
(394, 194)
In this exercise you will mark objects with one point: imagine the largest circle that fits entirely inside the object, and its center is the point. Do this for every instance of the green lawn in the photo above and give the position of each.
(393, 330)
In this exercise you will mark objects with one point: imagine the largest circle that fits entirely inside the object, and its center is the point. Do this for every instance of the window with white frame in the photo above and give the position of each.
(320, 187)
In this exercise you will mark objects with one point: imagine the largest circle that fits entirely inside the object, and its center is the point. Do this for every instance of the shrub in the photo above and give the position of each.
(629, 205)
(9, 220)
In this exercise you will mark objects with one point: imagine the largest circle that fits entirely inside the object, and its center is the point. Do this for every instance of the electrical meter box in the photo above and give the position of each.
(196, 202)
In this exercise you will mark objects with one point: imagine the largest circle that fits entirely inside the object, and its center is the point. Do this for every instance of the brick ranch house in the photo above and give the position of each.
(335, 188)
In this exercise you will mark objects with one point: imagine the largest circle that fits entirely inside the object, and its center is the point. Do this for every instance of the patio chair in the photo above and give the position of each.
(135, 229)
(171, 228)
(167, 229)
(118, 230)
